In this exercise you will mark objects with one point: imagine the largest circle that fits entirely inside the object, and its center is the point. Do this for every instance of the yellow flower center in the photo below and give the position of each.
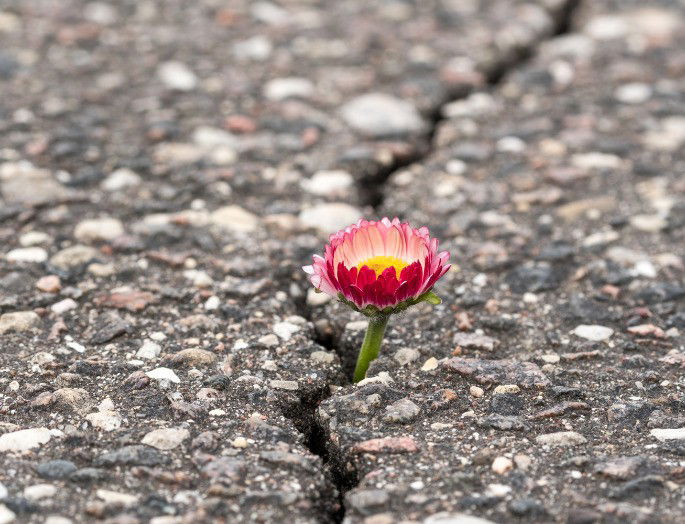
(382, 262)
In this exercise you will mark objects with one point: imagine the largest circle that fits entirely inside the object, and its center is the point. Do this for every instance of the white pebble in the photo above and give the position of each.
(593, 332)
(163, 373)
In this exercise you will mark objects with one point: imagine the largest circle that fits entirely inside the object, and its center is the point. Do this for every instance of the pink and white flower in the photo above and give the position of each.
(381, 266)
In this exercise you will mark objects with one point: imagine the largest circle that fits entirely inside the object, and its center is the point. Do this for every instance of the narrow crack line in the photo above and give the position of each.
(371, 188)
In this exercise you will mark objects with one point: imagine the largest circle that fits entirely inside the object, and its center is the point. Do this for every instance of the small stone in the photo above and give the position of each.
(178, 153)
(323, 357)
(108, 326)
(41, 358)
(387, 445)
(403, 410)
(56, 519)
(49, 284)
(74, 399)
(212, 137)
(523, 462)
(475, 341)
(162, 373)
(633, 93)
(122, 178)
(6, 515)
(406, 356)
(357, 325)
(285, 330)
(365, 500)
(647, 330)
(34, 238)
(380, 115)
(506, 404)
(644, 268)
(476, 104)
(166, 438)
(106, 420)
(502, 465)
(193, 357)
(269, 340)
(138, 455)
(593, 332)
(476, 392)
(39, 491)
(235, 218)
(430, 364)
(106, 405)
(16, 177)
(73, 257)
(239, 442)
(664, 434)
(212, 303)
(79, 348)
(529, 507)
(561, 439)
(199, 278)
(551, 358)
(256, 48)
(103, 229)
(115, 498)
(574, 210)
(176, 75)
(56, 469)
(600, 238)
(669, 137)
(620, 468)
(532, 278)
(596, 161)
(315, 298)
(18, 322)
(506, 388)
(149, 350)
(279, 89)
(24, 439)
(27, 255)
(61, 307)
(133, 300)
(329, 183)
(289, 385)
(649, 223)
(330, 217)
(101, 270)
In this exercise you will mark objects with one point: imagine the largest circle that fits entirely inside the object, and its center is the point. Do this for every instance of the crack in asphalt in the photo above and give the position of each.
(371, 188)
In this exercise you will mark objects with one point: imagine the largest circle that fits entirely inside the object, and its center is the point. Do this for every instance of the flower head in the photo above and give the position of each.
(380, 267)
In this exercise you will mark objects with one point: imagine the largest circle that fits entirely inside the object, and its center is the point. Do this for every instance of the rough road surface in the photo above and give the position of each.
(166, 167)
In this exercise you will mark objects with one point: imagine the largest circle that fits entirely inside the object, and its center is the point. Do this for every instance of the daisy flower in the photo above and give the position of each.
(379, 268)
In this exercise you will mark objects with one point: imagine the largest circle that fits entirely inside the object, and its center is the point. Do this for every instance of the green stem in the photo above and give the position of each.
(371, 345)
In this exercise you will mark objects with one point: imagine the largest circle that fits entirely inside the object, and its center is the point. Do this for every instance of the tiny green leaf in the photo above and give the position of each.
(432, 298)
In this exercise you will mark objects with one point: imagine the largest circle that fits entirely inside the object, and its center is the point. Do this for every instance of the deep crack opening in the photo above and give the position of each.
(303, 416)
(371, 188)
